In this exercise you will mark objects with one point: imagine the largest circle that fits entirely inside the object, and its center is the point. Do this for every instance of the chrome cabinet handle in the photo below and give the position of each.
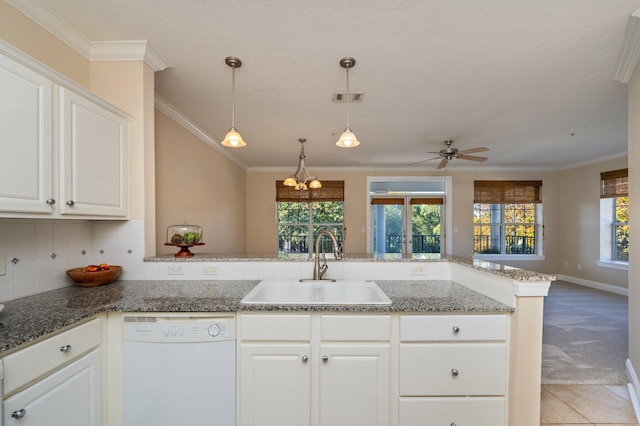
(454, 372)
(325, 358)
(305, 358)
(453, 424)
(18, 414)
(70, 203)
(456, 329)
(65, 348)
(50, 201)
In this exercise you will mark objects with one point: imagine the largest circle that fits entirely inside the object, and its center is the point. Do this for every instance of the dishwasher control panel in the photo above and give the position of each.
(178, 329)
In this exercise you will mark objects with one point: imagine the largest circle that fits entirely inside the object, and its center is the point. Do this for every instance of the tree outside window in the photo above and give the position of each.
(299, 223)
(621, 230)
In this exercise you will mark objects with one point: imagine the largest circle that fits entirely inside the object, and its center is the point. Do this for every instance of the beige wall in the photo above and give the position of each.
(195, 183)
(580, 224)
(23, 34)
(634, 220)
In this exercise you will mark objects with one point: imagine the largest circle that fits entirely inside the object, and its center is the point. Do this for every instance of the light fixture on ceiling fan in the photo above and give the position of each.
(233, 138)
(450, 153)
(299, 179)
(347, 138)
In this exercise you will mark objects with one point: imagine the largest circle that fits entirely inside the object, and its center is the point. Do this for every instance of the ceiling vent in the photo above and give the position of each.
(353, 96)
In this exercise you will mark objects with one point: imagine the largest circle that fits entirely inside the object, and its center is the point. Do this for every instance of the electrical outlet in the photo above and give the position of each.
(3, 264)
(579, 266)
(210, 270)
(418, 270)
(176, 270)
(566, 264)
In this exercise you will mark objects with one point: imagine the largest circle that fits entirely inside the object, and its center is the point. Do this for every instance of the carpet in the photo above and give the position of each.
(585, 336)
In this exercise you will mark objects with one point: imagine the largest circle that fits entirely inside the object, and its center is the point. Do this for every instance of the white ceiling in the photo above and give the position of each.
(530, 80)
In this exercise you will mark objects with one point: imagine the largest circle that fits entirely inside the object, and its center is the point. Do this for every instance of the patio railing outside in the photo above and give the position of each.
(515, 244)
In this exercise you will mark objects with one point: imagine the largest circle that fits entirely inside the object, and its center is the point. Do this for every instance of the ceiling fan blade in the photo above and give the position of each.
(443, 163)
(472, 157)
(471, 151)
(422, 161)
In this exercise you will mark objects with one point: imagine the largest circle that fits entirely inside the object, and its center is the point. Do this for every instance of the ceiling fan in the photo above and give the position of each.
(450, 153)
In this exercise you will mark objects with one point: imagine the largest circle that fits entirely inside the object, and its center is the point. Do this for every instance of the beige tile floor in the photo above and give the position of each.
(564, 405)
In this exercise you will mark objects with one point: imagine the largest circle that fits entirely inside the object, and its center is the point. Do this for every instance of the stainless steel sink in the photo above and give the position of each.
(324, 292)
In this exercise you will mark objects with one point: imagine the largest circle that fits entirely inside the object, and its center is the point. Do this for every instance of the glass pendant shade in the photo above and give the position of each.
(315, 184)
(347, 139)
(233, 139)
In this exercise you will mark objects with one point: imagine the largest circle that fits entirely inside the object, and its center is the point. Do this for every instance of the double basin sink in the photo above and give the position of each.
(323, 292)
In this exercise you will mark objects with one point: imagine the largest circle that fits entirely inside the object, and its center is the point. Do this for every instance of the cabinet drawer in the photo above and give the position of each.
(34, 361)
(422, 328)
(452, 411)
(355, 328)
(274, 327)
(452, 369)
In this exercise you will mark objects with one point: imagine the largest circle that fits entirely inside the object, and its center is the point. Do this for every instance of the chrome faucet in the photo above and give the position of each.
(319, 271)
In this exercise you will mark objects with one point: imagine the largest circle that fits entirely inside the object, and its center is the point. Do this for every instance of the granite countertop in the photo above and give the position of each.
(30, 318)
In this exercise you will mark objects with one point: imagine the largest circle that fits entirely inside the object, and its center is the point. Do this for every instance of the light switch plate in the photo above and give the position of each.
(3, 264)
(210, 270)
(418, 270)
(176, 270)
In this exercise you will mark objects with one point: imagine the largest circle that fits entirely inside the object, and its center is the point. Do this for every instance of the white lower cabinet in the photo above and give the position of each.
(68, 397)
(274, 385)
(453, 370)
(313, 369)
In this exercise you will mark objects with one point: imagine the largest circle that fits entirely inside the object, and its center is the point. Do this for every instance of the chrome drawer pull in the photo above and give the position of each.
(50, 201)
(456, 330)
(65, 348)
(325, 358)
(70, 203)
(454, 372)
(305, 358)
(18, 414)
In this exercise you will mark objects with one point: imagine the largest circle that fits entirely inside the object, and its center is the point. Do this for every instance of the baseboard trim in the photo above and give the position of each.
(634, 388)
(594, 284)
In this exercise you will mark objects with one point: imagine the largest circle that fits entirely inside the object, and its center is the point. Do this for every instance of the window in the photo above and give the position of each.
(409, 215)
(301, 215)
(614, 218)
(507, 218)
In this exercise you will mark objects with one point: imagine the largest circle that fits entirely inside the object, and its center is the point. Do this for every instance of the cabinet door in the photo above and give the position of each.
(25, 139)
(69, 397)
(93, 158)
(354, 385)
(274, 385)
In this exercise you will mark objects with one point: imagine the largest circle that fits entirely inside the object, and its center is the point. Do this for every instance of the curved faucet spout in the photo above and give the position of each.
(319, 271)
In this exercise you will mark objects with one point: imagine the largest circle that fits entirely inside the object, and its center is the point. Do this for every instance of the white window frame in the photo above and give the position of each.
(607, 236)
(539, 229)
(447, 206)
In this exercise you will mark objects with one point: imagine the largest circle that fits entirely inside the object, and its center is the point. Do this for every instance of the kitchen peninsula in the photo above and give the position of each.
(476, 295)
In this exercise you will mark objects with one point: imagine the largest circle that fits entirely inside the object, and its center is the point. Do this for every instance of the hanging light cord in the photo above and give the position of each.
(348, 125)
(233, 97)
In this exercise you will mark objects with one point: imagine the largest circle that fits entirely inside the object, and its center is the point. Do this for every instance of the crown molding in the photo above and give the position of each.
(129, 50)
(174, 114)
(630, 50)
(135, 50)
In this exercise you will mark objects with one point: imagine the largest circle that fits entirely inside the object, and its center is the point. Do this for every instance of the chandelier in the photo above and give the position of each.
(299, 179)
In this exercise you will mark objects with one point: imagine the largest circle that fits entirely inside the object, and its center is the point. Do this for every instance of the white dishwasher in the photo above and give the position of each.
(179, 370)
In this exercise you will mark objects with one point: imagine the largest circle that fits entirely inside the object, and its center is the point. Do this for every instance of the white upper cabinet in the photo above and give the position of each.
(25, 139)
(64, 150)
(93, 147)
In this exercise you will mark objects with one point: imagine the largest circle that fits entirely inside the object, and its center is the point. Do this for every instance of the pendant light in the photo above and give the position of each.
(347, 138)
(299, 179)
(233, 138)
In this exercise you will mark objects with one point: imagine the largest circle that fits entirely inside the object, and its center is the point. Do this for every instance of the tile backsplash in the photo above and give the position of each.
(39, 251)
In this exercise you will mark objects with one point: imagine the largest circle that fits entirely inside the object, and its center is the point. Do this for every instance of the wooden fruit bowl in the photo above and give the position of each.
(94, 279)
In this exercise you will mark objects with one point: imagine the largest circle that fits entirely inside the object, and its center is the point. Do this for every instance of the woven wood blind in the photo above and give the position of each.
(387, 200)
(506, 191)
(332, 190)
(614, 184)
(436, 201)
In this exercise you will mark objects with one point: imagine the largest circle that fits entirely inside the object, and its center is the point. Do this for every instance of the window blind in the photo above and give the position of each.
(387, 200)
(332, 190)
(614, 183)
(506, 191)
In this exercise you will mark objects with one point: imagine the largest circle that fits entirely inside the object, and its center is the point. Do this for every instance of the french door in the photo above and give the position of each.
(408, 225)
